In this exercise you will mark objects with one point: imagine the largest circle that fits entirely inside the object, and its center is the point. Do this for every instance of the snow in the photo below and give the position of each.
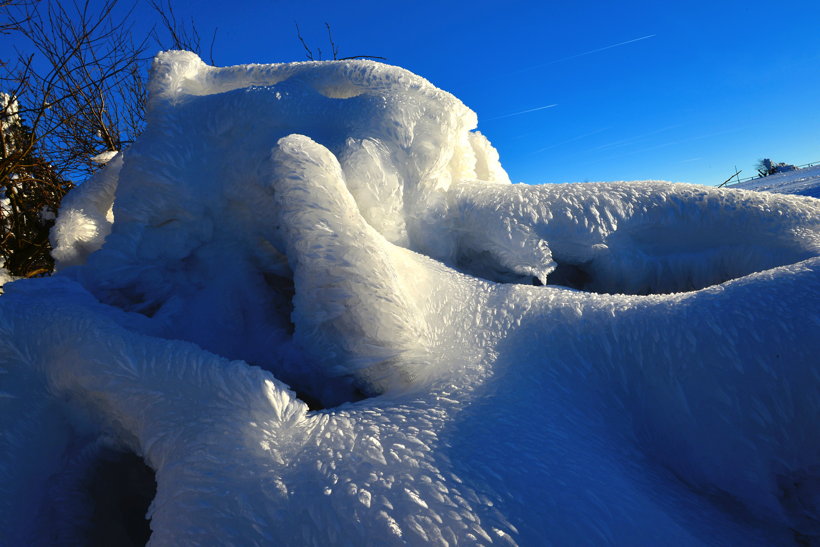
(86, 216)
(804, 181)
(5, 276)
(104, 157)
(337, 233)
(9, 117)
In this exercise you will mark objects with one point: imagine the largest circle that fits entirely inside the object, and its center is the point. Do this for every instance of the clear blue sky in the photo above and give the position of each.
(681, 91)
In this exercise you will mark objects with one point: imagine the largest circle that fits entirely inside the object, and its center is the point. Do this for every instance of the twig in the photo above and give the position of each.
(333, 47)
(308, 51)
(353, 57)
(736, 173)
(211, 49)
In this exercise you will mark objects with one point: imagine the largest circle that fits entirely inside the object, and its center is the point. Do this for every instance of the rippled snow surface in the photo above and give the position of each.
(310, 300)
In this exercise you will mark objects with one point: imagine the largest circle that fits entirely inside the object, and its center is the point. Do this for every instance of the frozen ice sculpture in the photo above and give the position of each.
(311, 301)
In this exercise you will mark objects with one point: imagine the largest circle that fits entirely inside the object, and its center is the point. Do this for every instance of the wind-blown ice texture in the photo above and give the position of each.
(337, 226)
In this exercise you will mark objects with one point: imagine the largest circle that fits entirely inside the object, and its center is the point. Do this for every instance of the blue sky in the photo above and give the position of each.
(642, 90)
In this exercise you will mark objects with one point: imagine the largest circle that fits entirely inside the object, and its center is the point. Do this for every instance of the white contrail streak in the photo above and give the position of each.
(590, 52)
(522, 112)
(573, 139)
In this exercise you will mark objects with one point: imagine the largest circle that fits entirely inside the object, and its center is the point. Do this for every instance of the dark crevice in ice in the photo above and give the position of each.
(282, 291)
(314, 403)
(583, 277)
(120, 486)
(574, 276)
(317, 391)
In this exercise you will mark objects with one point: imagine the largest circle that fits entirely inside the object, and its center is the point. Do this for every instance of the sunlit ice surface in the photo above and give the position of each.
(310, 300)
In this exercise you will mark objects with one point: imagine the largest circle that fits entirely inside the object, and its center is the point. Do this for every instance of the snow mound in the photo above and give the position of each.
(304, 297)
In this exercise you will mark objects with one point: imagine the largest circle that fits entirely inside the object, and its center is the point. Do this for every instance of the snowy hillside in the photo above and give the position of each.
(310, 300)
(805, 182)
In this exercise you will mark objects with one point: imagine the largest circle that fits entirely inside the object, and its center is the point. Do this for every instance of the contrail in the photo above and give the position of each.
(590, 52)
(667, 144)
(637, 138)
(519, 113)
(573, 139)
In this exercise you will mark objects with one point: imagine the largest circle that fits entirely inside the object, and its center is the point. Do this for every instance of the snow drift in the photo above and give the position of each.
(311, 300)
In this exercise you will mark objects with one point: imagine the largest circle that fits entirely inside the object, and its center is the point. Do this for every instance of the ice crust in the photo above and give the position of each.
(338, 228)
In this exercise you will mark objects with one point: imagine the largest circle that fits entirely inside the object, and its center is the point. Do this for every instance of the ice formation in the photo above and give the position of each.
(340, 227)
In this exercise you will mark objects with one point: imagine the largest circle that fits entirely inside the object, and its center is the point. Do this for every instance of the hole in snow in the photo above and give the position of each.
(651, 278)
(120, 486)
(574, 276)
(654, 278)
(281, 291)
(313, 403)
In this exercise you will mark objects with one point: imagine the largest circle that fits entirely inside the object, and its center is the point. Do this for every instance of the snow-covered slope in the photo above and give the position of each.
(805, 182)
(339, 227)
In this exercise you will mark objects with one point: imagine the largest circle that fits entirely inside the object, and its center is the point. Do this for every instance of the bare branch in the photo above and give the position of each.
(66, 106)
(354, 57)
(308, 52)
(211, 49)
(333, 49)
(184, 37)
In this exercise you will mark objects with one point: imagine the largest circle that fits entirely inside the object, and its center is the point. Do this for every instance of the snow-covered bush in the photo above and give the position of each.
(30, 194)
(766, 167)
